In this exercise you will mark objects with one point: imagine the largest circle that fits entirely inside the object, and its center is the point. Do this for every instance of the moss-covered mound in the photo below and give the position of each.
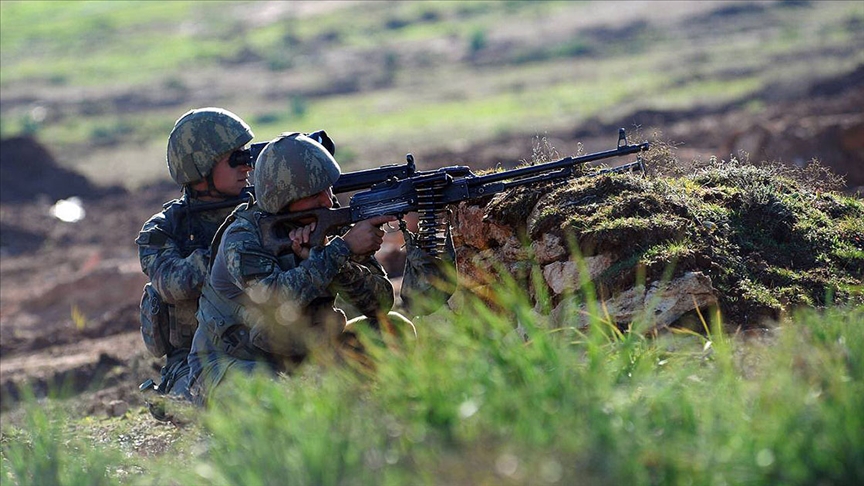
(769, 237)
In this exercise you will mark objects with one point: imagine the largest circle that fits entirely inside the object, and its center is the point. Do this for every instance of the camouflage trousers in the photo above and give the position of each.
(351, 348)
(174, 383)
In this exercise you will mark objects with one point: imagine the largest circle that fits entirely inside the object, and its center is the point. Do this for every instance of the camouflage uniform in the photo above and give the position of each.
(174, 245)
(259, 309)
(174, 249)
(262, 310)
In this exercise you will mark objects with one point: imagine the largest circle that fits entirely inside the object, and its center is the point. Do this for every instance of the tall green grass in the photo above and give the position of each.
(473, 401)
(41, 451)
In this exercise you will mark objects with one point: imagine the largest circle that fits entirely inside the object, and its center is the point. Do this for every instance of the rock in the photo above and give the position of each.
(472, 228)
(564, 276)
(512, 250)
(475, 267)
(549, 249)
(667, 302)
(499, 234)
(117, 408)
(468, 227)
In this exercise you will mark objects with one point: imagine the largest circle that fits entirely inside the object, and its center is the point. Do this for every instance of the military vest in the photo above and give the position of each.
(190, 230)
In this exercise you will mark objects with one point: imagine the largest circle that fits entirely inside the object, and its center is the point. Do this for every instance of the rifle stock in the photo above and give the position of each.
(327, 221)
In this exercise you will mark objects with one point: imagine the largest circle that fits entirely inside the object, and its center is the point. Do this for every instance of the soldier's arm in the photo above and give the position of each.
(175, 278)
(256, 270)
(366, 286)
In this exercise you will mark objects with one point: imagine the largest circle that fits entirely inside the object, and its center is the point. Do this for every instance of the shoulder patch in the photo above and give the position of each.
(152, 237)
(254, 264)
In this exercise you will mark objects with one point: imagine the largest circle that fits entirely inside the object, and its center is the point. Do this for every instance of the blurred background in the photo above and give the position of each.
(100, 84)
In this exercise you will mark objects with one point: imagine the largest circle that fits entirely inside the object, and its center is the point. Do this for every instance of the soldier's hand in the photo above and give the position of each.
(300, 240)
(366, 237)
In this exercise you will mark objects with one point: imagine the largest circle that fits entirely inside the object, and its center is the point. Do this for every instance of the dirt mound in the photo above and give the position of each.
(28, 171)
(757, 241)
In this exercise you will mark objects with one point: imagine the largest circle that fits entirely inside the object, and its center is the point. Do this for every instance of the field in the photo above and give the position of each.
(420, 77)
(90, 90)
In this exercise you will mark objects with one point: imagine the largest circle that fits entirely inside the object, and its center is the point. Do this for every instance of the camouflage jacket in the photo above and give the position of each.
(174, 249)
(281, 301)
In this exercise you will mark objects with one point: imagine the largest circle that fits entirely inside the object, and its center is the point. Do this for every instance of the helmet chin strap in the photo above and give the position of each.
(211, 190)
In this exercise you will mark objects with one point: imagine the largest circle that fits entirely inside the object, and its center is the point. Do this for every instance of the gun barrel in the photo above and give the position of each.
(565, 163)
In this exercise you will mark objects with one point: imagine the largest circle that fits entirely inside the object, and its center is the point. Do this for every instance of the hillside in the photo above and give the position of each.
(101, 83)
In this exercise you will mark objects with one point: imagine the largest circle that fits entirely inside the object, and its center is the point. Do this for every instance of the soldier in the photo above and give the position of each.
(262, 310)
(174, 245)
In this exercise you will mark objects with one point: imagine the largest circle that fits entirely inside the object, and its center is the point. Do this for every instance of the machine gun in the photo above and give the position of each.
(429, 192)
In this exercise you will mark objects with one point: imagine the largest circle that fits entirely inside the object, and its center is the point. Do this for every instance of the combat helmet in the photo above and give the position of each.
(200, 138)
(291, 167)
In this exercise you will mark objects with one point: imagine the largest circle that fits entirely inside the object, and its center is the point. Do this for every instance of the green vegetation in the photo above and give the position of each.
(473, 403)
(493, 392)
(771, 238)
(100, 43)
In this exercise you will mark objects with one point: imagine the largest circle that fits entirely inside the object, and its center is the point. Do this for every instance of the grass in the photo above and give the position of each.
(473, 403)
(418, 119)
(88, 43)
(109, 32)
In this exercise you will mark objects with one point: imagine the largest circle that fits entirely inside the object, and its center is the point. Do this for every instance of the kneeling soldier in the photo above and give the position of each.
(260, 309)
(174, 245)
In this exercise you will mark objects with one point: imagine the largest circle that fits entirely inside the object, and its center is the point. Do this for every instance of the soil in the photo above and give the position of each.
(69, 292)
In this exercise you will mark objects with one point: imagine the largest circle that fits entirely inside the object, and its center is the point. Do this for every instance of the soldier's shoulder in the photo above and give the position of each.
(157, 230)
(170, 209)
(175, 208)
(243, 222)
(154, 233)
